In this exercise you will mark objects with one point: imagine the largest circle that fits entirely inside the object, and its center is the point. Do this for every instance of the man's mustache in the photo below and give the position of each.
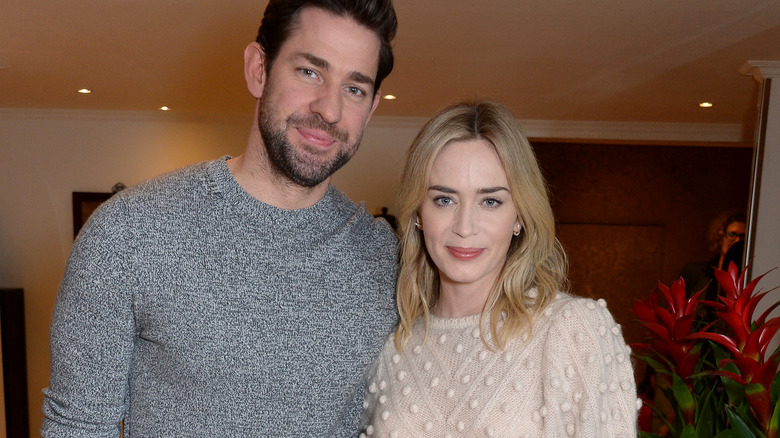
(315, 122)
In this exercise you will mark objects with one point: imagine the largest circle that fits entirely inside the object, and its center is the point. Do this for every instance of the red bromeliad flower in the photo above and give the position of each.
(675, 346)
(672, 341)
(749, 343)
(671, 328)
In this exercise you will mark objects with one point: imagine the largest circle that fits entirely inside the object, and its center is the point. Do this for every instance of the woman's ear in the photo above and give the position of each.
(255, 69)
(418, 222)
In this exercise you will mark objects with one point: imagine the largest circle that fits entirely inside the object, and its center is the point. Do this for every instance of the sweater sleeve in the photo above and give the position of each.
(349, 420)
(92, 334)
(588, 379)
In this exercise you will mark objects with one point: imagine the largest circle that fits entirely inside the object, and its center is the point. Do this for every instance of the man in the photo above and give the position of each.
(242, 296)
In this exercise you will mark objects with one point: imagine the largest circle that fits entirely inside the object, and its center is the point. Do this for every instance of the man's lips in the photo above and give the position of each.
(316, 137)
(461, 253)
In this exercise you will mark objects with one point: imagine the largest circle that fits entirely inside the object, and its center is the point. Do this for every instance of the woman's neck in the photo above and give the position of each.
(457, 300)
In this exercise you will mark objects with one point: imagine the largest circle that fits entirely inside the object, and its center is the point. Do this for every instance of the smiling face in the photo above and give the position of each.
(319, 96)
(468, 218)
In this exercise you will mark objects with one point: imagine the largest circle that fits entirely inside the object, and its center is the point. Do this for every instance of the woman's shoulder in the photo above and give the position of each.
(577, 315)
(566, 304)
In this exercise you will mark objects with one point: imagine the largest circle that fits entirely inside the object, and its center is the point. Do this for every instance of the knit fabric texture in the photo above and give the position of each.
(572, 378)
(190, 309)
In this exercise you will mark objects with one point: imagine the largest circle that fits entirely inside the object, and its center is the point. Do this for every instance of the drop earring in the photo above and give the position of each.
(516, 232)
(418, 224)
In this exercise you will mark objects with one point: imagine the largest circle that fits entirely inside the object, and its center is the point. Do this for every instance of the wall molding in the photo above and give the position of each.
(677, 133)
(537, 130)
(106, 115)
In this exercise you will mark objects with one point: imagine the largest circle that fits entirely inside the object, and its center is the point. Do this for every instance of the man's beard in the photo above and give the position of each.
(284, 157)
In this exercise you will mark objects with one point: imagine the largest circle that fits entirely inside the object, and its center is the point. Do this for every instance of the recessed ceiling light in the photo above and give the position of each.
(164, 108)
(85, 91)
(706, 104)
(389, 97)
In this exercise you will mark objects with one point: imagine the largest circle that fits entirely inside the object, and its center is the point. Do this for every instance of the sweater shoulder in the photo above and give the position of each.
(166, 197)
(567, 305)
(375, 233)
(177, 183)
(570, 317)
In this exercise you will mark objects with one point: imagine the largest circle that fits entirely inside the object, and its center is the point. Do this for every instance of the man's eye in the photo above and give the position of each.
(356, 91)
(308, 72)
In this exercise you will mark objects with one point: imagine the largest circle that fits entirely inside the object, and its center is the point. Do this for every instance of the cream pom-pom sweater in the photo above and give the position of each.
(572, 378)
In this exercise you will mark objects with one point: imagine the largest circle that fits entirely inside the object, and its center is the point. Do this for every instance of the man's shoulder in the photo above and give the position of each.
(363, 225)
(162, 196)
(190, 176)
(173, 187)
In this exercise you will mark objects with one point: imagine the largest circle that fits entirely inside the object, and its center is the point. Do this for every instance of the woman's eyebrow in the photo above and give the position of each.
(443, 189)
(492, 189)
(486, 190)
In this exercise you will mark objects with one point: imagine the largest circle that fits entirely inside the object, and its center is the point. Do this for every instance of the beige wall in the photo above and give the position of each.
(373, 174)
(46, 155)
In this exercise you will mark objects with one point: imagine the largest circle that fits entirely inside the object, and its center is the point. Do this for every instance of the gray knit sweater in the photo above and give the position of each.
(188, 308)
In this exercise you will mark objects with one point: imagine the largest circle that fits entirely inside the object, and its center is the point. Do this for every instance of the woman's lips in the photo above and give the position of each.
(316, 137)
(465, 253)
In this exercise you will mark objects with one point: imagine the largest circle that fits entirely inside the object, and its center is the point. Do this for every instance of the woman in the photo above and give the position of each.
(725, 231)
(488, 344)
(725, 240)
(725, 237)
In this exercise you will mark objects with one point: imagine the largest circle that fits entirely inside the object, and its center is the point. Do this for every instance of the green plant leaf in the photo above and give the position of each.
(775, 389)
(744, 431)
(661, 416)
(729, 433)
(659, 367)
(706, 411)
(754, 388)
(719, 352)
(683, 396)
(688, 432)
(734, 389)
(774, 423)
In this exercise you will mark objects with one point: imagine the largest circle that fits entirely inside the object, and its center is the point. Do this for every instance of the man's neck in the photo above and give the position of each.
(256, 175)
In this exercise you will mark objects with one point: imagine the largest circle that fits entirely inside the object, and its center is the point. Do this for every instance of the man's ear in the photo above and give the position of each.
(255, 69)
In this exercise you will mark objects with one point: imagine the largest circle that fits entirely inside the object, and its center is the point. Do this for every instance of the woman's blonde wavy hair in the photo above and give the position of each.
(535, 259)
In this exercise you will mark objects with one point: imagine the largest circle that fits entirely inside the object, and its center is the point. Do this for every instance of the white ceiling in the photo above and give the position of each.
(558, 64)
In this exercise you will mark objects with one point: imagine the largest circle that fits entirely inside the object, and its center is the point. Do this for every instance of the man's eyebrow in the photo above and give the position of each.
(362, 79)
(325, 65)
(315, 60)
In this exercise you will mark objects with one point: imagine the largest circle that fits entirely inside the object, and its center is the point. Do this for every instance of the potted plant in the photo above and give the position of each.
(718, 376)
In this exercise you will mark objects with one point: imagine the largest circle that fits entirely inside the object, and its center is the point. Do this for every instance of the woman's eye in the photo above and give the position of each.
(492, 203)
(442, 201)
